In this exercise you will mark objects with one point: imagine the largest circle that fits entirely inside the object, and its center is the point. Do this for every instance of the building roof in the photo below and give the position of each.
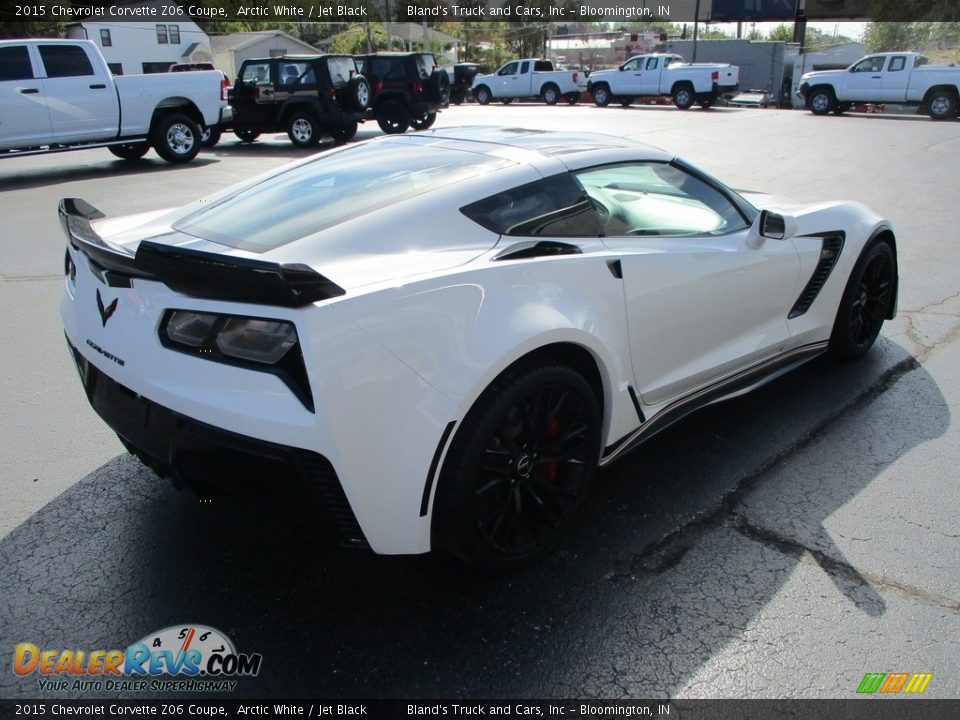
(241, 40)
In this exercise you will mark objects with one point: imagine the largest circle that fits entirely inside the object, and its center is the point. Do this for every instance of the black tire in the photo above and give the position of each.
(865, 302)
(572, 98)
(303, 129)
(500, 502)
(483, 95)
(393, 118)
(821, 101)
(440, 86)
(358, 92)
(344, 132)
(506, 101)
(246, 134)
(423, 122)
(209, 137)
(683, 96)
(841, 108)
(601, 95)
(942, 105)
(131, 151)
(626, 102)
(706, 103)
(550, 94)
(176, 138)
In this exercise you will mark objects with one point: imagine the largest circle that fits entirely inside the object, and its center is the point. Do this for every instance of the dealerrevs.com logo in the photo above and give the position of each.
(188, 658)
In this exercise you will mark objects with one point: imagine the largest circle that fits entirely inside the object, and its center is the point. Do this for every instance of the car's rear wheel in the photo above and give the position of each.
(423, 122)
(683, 97)
(506, 101)
(572, 98)
(130, 151)
(246, 135)
(942, 105)
(303, 129)
(865, 302)
(393, 118)
(626, 102)
(550, 94)
(519, 467)
(176, 138)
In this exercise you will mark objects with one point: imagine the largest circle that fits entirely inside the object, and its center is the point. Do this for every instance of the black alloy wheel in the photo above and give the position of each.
(519, 467)
(865, 303)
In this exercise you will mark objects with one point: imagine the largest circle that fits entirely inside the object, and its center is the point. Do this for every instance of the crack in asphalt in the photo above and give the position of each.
(662, 555)
(914, 333)
(838, 568)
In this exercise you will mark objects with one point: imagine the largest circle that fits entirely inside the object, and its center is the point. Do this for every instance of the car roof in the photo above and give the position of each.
(551, 144)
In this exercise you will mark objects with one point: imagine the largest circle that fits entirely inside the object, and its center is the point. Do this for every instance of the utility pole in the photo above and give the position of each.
(696, 21)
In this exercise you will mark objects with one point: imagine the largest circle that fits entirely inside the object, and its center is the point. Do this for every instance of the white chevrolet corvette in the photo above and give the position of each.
(442, 335)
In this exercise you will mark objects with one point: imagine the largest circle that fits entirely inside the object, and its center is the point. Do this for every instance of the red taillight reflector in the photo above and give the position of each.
(714, 75)
(224, 85)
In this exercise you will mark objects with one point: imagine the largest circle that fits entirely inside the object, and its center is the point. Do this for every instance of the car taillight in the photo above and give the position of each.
(332, 94)
(224, 87)
(417, 87)
(575, 76)
(714, 75)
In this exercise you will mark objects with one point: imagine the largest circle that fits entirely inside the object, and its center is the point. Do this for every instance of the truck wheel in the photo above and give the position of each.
(626, 102)
(821, 101)
(483, 95)
(304, 131)
(942, 105)
(550, 94)
(601, 96)
(506, 101)
(131, 151)
(683, 97)
(393, 118)
(209, 137)
(176, 138)
(706, 103)
(841, 108)
(572, 98)
(344, 132)
(246, 134)
(423, 122)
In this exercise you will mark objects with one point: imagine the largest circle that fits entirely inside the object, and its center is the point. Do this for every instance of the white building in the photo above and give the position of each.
(134, 47)
(229, 51)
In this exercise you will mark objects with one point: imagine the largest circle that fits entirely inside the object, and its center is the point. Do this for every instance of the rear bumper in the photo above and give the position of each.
(211, 460)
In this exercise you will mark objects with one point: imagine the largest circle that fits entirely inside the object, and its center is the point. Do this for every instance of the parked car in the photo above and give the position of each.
(443, 334)
(407, 89)
(58, 95)
(530, 78)
(302, 95)
(463, 75)
(658, 74)
(753, 98)
(903, 78)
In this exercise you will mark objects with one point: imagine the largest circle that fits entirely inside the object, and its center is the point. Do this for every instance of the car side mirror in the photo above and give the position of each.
(775, 226)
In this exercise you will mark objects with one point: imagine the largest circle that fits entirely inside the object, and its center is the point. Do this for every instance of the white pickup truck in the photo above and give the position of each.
(58, 95)
(529, 78)
(902, 78)
(659, 74)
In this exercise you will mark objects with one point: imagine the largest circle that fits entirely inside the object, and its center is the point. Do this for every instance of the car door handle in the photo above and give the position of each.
(877, 77)
(28, 91)
(98, 86)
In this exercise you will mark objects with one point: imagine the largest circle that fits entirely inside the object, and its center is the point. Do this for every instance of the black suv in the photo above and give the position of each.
(407, 89)
(304, 95)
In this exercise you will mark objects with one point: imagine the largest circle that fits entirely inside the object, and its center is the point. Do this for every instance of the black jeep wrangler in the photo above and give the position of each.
(407, 89)
(304, 95)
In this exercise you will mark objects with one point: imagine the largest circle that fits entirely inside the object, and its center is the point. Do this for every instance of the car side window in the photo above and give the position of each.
(65, 61)
(632, 65)
(255, 73)
(524, 67)
(657, 198)
(870, 64)
(509, 69)
(552, 207)
(15, 63)
(897, 63)
(652, 63)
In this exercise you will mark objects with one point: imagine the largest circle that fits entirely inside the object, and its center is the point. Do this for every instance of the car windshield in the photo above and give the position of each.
(329, 190)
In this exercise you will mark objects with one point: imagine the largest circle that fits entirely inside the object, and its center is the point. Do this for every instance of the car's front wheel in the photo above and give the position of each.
(865, 302)
(303, 129)
(483, 95)
(424, 121)
(342, 133)
(519, 467)
(821, 101)
(209, 136)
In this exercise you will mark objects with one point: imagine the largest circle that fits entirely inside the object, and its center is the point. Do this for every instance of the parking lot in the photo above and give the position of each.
(782, 544)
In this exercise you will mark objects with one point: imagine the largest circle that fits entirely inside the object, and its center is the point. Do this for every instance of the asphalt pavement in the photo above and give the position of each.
(782, 544)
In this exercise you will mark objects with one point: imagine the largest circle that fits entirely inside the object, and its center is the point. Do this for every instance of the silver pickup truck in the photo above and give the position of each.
(902, 78)
(58, 95)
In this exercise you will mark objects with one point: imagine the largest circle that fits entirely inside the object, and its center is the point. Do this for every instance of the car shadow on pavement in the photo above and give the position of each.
(672, 559)
(37, 177)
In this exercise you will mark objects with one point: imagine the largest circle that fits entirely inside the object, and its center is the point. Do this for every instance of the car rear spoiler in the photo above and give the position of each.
(193, 272)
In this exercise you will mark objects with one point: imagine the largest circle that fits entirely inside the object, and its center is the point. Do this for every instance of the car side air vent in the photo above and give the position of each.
(541, 248)
(829, 253)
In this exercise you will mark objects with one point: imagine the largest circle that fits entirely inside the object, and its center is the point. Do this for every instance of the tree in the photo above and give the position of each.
(781, 32)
